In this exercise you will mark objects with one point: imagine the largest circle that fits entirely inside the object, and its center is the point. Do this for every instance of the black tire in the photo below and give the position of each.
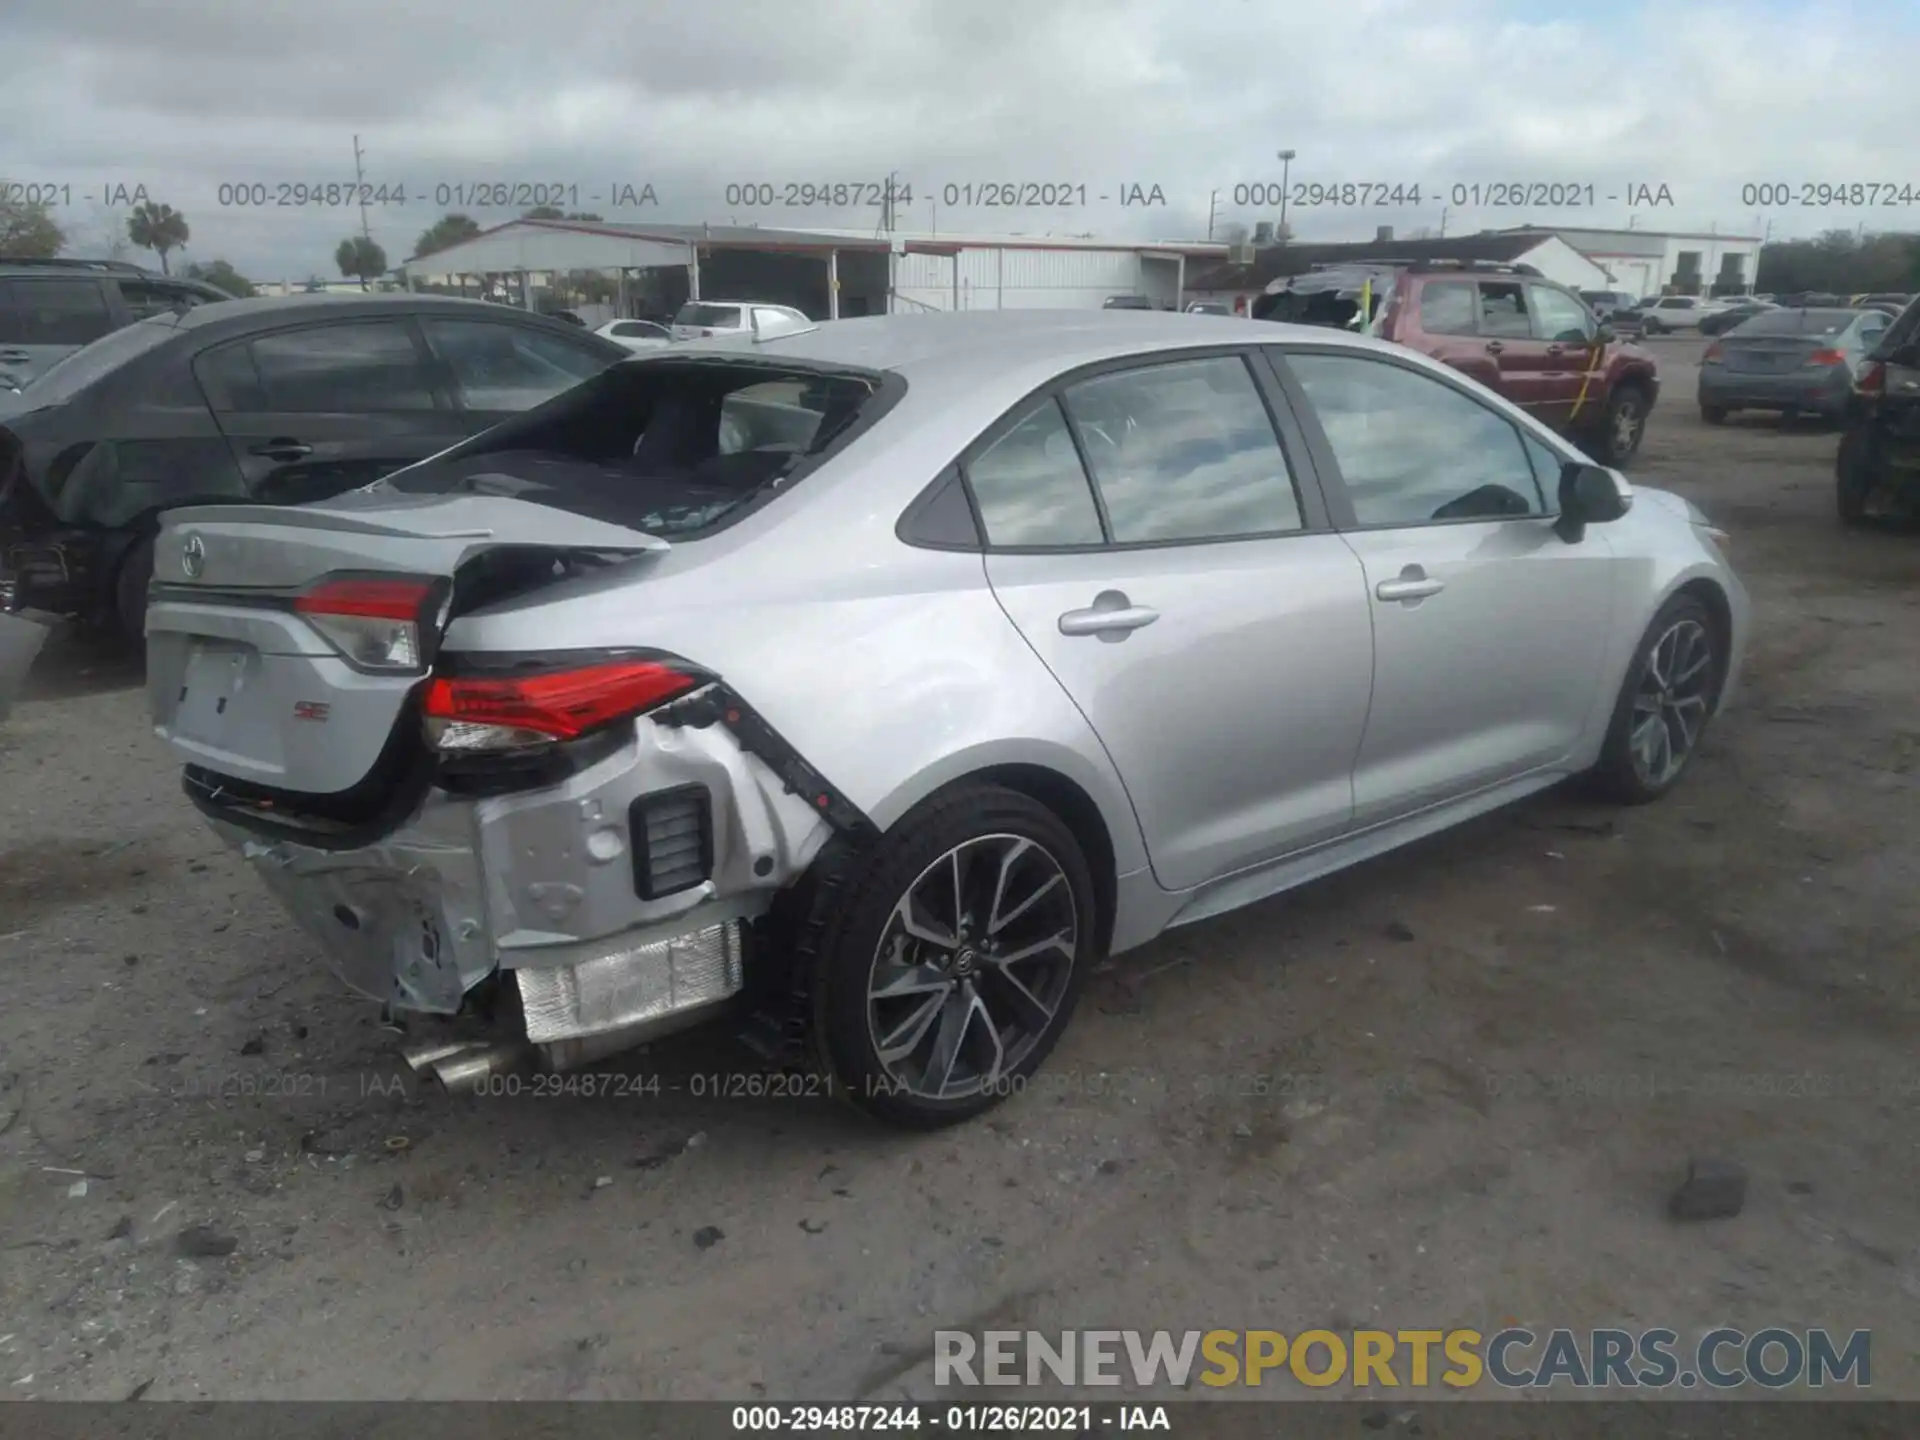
(1650, 326)
(130, 592)
(1622, 426)
(1853, 479)
(838, 936)
(1714, 414)
(1616, 776)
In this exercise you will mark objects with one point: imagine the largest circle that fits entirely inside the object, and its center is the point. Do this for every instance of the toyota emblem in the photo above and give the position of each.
(193, 556)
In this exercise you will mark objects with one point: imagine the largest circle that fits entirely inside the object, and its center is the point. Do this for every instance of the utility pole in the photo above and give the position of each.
(360, 190)
(1286, 177)
(1445, 210)
(1213, 211)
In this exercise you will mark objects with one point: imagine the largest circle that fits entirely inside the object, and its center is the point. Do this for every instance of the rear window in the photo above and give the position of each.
(672, 447)
(60, 382)
(42, 311)
(1798, 322)
(712, 317)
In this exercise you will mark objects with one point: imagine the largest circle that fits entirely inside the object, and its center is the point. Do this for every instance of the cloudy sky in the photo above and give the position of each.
(1703, 101)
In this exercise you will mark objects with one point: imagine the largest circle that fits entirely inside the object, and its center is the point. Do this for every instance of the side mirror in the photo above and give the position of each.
(1589, 495)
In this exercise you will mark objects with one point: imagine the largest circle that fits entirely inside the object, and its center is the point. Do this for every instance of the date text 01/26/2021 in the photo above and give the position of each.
(1489, 195)
(458, 195)
(956, 1419)
(1057, 194)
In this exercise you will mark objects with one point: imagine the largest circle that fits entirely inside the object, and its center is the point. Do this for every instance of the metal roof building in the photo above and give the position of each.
(826, 273)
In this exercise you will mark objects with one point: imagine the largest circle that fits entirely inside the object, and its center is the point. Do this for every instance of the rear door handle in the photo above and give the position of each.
(15, 357)
(1494, 347)
(1413, 583)
(282, 450)
(1111, 615)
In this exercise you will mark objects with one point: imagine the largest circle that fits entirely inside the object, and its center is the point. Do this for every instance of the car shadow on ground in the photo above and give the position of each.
(79, 661)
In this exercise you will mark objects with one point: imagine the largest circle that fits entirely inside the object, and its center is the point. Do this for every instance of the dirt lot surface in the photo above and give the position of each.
(1452, 1087)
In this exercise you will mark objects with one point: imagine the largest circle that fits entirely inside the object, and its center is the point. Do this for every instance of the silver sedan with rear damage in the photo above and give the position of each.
(871, 683)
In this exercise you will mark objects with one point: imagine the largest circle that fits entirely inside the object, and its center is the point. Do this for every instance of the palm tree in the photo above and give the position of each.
(159, 228)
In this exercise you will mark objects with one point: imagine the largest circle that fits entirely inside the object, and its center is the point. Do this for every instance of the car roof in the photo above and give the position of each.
(244, 314)
(763, 304)
(984, 346)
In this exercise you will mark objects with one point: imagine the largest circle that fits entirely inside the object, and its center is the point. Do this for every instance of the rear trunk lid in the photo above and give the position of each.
(1768, 355)
(246, 689)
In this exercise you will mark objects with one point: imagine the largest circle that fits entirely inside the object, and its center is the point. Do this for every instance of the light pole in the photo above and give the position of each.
(1286, 172)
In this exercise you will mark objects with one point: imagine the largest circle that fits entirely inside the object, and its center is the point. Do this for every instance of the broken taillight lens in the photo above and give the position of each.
(1872, 379)
(377, 622)
(1827, 357)
(1715, 353)
(465, 714)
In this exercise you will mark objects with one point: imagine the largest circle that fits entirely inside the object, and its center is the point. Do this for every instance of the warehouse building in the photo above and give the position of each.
(828, 274)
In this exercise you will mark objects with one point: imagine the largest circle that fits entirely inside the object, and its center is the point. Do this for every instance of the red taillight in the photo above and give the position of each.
(1873, 379)
(1827, 357)
(375, 621)
(1715, 352)
(466, 713)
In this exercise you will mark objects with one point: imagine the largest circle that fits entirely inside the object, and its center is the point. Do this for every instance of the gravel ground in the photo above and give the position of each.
(1449, 1088)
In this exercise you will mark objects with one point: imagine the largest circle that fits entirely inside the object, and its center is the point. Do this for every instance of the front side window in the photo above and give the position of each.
(1557, 316)
(355, 367)
(1413, 450)
(509, 367)
(1031, 487)
(1503, 312)
(1184, 451)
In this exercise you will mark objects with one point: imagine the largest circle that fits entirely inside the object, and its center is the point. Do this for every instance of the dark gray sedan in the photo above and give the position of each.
(1791, 361)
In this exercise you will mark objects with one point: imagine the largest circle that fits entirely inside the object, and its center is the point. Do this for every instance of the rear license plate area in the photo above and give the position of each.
(215, 673)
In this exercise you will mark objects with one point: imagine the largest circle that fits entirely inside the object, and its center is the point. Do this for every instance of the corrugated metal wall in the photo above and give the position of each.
(1013, 279)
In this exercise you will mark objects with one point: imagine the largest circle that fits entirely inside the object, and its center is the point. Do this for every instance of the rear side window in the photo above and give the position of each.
(1184, 451)
(359, 367)
(509, 367)
(711, 317)
(53, 312)
(1031, 487)
(157, 297)
(1446, 307)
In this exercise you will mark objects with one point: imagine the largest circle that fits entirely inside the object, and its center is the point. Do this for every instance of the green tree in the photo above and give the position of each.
(159, 228)
(544, 212)
(222, 276)
(359, 257)
(28, 230)
(447, 230)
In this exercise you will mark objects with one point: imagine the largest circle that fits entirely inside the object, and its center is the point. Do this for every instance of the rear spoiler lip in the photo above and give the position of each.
(320, 518)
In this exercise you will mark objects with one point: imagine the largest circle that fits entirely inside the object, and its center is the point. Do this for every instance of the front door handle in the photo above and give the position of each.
(282, 450)
(1494, 347)
(1412, 583)
(1112, 616)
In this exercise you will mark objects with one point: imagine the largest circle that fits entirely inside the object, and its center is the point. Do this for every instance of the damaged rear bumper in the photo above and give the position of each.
(613, 900)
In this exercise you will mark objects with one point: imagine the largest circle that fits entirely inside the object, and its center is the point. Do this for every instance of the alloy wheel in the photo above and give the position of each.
(1627, 421)
(972, 966)
(1671, 703)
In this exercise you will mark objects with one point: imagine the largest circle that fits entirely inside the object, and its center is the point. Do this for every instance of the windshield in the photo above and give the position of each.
(667, 446)
(1798, 322)
(66, 378)
(710, 317)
